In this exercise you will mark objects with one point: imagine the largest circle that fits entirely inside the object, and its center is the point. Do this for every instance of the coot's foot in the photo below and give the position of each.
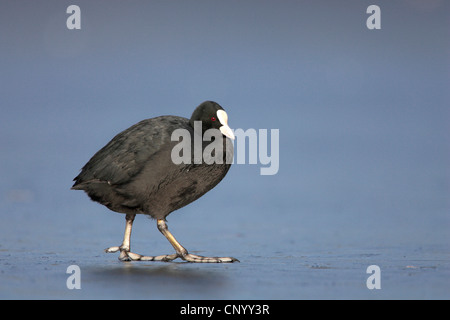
(195, 258)
(126, 255)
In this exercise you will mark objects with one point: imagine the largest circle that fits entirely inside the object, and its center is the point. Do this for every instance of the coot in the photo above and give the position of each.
(135, 173)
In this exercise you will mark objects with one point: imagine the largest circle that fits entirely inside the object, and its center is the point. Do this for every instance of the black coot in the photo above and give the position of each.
(135, 174)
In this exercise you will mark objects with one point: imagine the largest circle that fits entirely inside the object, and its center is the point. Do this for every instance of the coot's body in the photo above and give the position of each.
(135, 173)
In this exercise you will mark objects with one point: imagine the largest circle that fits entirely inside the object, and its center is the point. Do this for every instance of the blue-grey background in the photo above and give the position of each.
(364, 146)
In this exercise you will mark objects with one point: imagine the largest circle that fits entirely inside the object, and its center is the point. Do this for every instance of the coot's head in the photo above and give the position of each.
(212, 115)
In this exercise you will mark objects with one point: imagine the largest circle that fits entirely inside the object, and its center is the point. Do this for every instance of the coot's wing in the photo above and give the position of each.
(127, 153)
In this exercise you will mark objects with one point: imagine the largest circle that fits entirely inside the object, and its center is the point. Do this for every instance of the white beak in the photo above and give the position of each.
(225, 129)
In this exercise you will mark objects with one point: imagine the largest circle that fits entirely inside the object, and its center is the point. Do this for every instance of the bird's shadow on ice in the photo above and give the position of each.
(179, 273)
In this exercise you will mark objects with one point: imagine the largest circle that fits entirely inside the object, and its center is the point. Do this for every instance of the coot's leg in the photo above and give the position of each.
(126, 255)
(182, 252)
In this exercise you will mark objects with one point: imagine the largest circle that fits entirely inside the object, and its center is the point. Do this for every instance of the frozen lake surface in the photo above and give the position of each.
(283, 265)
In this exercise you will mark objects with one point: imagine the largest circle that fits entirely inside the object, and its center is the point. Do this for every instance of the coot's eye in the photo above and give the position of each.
(213, 118)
